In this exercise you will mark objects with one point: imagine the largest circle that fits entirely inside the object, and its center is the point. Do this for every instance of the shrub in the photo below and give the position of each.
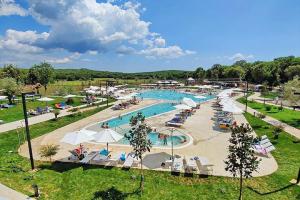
(75, 109)
(56, 113)
(70, 101)
(48, 151)
(268, 108)
(261, 116)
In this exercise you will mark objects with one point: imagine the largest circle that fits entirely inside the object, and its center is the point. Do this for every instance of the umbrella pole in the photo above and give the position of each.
(107, 146)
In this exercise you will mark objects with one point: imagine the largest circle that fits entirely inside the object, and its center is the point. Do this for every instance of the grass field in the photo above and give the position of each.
(270, 95)
(287, 116)
(69, 181)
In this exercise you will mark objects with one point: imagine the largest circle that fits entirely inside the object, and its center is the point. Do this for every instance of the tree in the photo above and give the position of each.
(290, 88)
(10, 87)
(138, 140)
(241, 160)
(199, 74)
(234, 72)
(11, 71)
(292, 71)
(56, 113)
(48, 151)
(42, 73)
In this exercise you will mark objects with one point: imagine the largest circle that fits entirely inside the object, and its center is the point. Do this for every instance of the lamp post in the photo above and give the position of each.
(27, 129)
(247, 87)
(172, 130)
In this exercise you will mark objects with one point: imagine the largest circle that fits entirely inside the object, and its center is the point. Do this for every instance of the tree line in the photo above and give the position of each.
(272, 73)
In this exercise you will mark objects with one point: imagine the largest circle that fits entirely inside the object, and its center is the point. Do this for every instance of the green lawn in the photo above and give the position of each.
(16, 112)
(287, 116)
(69, 181)
(270, 95)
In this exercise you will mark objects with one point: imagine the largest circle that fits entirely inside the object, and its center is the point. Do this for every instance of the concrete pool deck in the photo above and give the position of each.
(207, 140)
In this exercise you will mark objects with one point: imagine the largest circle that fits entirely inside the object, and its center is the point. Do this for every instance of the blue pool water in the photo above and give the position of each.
(153, 137)
(147, 112)
(170, 95)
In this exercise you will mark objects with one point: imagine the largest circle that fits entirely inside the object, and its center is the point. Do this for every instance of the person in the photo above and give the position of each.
(165, 140)
(106, 126)
(103, 125)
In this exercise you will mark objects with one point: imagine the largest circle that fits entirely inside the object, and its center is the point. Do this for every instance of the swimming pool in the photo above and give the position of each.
(153, 137)
(149, 111)
(171, 95)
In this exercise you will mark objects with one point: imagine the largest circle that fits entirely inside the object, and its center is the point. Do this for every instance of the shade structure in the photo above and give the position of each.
(189, 102)
(45, 99)
(76, 137)
(200, 97)
(126, 97)
(70, 96)
(107, 136)
(182, 107)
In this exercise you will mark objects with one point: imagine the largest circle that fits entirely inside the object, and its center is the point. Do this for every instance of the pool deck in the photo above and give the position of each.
(206, 140)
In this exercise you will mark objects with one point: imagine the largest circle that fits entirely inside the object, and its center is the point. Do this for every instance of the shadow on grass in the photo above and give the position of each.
(114, 194)
(66, 166)
(271, 192)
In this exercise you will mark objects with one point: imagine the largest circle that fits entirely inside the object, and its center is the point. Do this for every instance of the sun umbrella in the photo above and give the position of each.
(45, 99)
(189, 102)
(182, 107)
(232, 108)
(200, 97)
(3, 97)
(77, 137)
(107, 136)
(70, 96)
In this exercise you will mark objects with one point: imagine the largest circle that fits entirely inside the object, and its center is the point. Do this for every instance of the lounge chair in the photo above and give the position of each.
(89, 157)
(177, 165)
(205, 168)
(190, 164)
(173, 124)
(129, 161)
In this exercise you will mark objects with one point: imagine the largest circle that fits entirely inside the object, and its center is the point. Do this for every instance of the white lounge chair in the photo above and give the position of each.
(205, 168)
(190, 164)
(130, 159)
(89, 157)
(177, 165)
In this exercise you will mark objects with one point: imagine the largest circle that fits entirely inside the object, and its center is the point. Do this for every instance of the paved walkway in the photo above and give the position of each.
(7, 193)
(40, 118)
(287, 128)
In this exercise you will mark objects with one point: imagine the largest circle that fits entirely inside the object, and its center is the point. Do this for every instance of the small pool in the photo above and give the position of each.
(147, 112)
(170, 95)
(153, 137)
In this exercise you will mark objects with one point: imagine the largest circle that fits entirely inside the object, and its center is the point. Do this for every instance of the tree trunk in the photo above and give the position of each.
(45, 86)
(142, 177)
(241, 186)
(9, 99)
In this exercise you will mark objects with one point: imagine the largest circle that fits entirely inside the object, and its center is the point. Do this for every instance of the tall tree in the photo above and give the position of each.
(199, 74)
(10, 88)
(292, 71)
(42, 73)
(241, 160)
(138, 140)
(11, 71)
(291, 89)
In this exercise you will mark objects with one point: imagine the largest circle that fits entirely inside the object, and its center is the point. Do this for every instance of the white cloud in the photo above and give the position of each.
(165, 52)
(19, 41)
(240, 56)
(9, 7)
(65, 59)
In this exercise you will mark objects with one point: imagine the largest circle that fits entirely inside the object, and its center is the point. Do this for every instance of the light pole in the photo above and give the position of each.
(172, 144)
(247, 87)
(27, 129)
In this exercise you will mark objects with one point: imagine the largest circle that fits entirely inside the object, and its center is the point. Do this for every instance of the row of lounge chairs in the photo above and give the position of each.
(104, 157)
(40, 110)
(179, 119)
(264, 146)
(125, 105)
(191, 165)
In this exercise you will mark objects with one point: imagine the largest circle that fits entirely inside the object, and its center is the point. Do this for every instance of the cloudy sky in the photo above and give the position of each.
(146, 35)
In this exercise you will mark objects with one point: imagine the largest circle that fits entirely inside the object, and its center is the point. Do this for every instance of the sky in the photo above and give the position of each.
(146, 35)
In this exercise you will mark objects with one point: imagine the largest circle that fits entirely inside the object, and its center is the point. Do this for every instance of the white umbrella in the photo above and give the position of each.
(77, 137)
(70, 96)
(189, 102)
(107, 136)
(232, 108)
(3, 97)
(45, 99)
(200, 97)
(91, 92)
(182, 107)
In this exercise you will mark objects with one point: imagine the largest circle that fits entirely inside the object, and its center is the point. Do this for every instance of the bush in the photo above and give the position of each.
(70, 101)
(56, 113)
(261, 116)
(268, 108)
(280, 108)
(75, 109)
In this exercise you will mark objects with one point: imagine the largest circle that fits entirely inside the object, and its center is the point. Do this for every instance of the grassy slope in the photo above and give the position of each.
(270, 95)
(288, 116)
(58, 181)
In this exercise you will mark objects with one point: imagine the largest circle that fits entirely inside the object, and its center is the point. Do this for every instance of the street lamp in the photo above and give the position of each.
(27, 128)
